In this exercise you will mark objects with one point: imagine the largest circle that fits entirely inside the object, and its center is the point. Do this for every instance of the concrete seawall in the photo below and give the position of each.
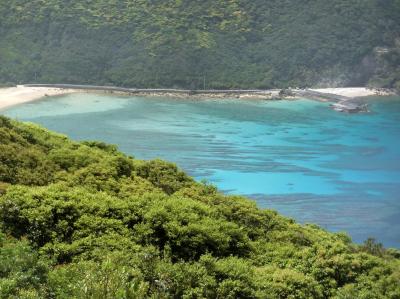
(155, 90)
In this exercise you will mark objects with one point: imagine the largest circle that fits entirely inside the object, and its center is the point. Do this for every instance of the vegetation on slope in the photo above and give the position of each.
(197, 44)
(82, 220)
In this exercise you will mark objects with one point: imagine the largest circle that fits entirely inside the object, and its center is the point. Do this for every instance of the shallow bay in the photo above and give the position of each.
(308, 162)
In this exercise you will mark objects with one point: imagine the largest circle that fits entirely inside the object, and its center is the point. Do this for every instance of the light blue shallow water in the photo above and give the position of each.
(301, 158)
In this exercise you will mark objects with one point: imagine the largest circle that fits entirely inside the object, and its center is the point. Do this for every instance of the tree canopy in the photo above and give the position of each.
(197, 44)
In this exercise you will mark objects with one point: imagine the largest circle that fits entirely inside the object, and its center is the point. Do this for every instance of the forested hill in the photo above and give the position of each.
(82, 220)
(197, 44)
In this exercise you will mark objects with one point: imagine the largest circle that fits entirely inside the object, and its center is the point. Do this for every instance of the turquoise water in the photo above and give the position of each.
(301, 158)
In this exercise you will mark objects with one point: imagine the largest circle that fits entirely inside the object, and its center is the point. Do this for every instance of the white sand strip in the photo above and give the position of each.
(17, 95)
(353, 91)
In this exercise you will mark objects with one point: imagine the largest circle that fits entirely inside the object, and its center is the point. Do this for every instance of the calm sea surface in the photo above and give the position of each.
(301, 158)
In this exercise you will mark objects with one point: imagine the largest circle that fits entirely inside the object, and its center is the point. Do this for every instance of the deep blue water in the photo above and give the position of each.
(301, 158)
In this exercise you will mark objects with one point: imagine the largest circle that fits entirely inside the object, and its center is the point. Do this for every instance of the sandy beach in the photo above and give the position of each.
(12, 96)
(353, 91)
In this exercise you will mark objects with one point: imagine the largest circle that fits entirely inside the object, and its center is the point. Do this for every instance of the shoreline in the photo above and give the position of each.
(11, 96)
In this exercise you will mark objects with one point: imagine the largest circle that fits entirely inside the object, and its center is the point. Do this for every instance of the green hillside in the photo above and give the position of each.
(197, 44)
(82, 220)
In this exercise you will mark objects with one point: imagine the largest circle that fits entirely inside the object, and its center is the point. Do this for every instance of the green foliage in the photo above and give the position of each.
(164, 175)
(82, 220)
(23, 273)
(182, 43)
(388, 73)
(111, 278)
